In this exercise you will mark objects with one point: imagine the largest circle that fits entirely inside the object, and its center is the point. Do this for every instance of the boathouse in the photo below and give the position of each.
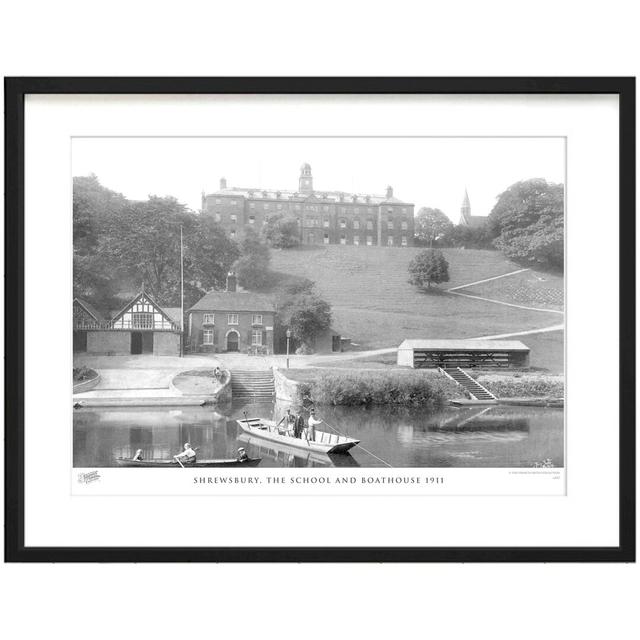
(468, 354)
(142, 326)
(85, 318)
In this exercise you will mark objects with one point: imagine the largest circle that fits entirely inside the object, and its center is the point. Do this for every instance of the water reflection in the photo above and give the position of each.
(472, 437)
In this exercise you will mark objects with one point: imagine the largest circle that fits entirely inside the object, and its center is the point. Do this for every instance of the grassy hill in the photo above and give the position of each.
(374, 305)
(529, 288)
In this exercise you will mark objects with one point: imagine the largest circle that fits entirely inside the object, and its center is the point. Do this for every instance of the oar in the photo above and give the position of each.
(178, 461)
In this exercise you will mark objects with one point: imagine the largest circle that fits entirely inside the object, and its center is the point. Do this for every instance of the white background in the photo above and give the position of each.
(587, 516)
(489, 38)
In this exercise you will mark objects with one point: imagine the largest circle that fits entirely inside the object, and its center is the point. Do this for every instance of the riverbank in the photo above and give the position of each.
(362, 386)
(521, 385)
(368, 387)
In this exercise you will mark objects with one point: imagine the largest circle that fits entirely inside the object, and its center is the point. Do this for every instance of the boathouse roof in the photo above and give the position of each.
(464, 345)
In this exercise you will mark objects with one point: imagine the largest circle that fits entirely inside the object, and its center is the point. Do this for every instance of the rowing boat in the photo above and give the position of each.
(296, 457)
(171, 464)
(324, 442)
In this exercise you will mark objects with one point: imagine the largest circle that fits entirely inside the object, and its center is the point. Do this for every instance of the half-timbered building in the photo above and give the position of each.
(85, 318)
(141, 326)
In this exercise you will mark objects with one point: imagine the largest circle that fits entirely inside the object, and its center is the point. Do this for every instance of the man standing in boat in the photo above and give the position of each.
(299, 427)
(289, 423)
(311, 429)
(188, 455)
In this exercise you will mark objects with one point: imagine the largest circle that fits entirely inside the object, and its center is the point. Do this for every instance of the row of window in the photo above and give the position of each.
(232, 318)
(356, 240)
(315, 222)
(256, 337)
(310, 207)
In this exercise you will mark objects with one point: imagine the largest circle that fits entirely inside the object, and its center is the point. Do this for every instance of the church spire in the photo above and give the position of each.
(465, 209)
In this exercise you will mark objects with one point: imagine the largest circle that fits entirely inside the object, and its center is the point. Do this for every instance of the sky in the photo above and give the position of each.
(428, 172)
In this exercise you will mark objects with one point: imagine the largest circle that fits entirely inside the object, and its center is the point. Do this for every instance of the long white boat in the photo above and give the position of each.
(324, 442)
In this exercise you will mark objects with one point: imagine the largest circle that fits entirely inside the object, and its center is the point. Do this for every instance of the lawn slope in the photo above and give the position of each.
(374, 305)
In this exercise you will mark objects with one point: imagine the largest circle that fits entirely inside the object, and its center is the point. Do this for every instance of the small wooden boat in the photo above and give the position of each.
(324, 442)
(304, 457)
(172, 464)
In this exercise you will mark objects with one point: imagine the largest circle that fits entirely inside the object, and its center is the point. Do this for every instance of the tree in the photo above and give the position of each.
(528, 222)
(428, 267)
(142, 244)
(462, 235)
(252, 268)
(93, 206)
(432, 225)
(208, 257)
(306, 315)
(281, 231)
(135, 243)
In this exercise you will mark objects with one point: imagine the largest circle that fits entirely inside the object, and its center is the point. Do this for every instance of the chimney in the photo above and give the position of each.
(231, 281)
(223, 184)
(389, 193)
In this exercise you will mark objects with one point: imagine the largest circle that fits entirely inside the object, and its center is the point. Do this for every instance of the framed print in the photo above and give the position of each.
(320, 319)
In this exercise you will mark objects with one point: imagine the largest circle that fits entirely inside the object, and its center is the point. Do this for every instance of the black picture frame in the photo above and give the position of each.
(15, 91)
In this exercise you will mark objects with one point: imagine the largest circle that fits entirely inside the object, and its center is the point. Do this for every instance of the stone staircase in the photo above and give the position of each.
(475, 389)
(252, 385)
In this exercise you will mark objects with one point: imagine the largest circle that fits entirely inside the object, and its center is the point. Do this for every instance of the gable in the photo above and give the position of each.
(143, 313)
(84, 316)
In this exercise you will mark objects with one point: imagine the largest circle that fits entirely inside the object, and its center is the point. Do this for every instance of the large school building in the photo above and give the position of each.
(323, 216)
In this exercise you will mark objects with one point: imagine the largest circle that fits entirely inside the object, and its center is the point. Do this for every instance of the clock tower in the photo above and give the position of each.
(305, 183)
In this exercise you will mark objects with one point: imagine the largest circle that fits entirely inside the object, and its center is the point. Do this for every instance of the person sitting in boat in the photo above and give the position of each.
(242, 455)
(188, 455)
(289, 424)
(313, 422)
(138, 456)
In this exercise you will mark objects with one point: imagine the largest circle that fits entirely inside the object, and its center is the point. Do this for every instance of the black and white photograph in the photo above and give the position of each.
(378, 316)
(313, 302)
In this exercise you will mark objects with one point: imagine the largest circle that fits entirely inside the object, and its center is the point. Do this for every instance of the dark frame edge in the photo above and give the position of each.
(15, 90)
(14, 549)
(627, 321)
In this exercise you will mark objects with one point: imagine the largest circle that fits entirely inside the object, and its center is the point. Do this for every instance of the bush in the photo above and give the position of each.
(282, 232)
(524, 386)
(428, 267)
(380, 387)
(252, 268)
(83, 373)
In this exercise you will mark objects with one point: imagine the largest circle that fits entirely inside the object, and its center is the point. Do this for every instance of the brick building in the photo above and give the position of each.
(231, 320)
(324, 217)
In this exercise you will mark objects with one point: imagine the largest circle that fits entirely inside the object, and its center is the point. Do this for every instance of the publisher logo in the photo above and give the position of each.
(90, 476)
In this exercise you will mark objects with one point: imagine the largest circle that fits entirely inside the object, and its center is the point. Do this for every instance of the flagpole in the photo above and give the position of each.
(181, 295)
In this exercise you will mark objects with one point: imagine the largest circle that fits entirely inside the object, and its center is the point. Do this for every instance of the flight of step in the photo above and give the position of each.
(475, 389)
(252, 385)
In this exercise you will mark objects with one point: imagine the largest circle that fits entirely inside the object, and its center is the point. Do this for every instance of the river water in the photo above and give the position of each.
(496, 436)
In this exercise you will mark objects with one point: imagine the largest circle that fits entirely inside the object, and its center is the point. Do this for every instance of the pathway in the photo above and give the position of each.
(506, 304)
(470, 284)
(454, 291)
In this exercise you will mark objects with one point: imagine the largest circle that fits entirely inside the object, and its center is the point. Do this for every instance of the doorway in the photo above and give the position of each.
(79, 341)
(233, 338)
(141, 342)
(136, 343)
